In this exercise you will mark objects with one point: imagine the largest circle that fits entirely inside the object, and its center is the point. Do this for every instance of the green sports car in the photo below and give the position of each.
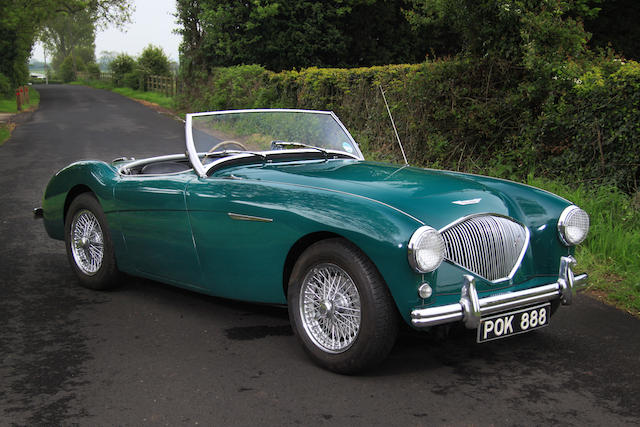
(280, 207)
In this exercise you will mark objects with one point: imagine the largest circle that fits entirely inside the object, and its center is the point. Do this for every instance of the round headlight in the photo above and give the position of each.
(573, 225)
(426, 249)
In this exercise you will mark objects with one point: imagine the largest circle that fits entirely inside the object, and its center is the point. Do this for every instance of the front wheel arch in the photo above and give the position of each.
(298, 249)
(377, 327)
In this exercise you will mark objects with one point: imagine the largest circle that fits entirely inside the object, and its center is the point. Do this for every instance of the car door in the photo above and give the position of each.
(156, 227)
(242, 240)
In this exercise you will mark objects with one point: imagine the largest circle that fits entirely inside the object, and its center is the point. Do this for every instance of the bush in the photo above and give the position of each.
(152, 62)
(66, 72)
(592, 134)
(482, 116)
(120, 66)
(94, 70)
(132, 80)
(444, 117)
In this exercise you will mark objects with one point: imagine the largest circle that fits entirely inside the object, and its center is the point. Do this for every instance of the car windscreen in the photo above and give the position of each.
(264, 130)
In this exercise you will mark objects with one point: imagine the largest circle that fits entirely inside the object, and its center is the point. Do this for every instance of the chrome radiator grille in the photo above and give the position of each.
(489, 246)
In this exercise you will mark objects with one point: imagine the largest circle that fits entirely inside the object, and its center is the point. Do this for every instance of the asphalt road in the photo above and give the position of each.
(147, 353)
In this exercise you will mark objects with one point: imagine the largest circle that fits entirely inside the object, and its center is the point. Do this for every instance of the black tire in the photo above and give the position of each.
(93, 271)
(359, 348)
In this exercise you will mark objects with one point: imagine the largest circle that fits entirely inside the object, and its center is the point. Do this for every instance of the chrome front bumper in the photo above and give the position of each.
(471, 308)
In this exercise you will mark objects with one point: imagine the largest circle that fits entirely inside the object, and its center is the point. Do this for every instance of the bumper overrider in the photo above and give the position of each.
(471, 309)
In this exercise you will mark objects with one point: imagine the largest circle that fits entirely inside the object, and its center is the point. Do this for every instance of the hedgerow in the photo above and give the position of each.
(580, 124)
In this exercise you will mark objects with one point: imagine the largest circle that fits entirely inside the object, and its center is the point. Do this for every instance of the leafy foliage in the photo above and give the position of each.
(283, 34)
(592, 134)
(120, 66)
(22, 20)
(152, 62)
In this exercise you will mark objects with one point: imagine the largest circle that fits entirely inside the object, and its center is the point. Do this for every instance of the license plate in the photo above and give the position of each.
(513, 323)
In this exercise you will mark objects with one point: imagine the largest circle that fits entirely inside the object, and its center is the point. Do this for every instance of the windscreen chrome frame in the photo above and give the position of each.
(194, 156)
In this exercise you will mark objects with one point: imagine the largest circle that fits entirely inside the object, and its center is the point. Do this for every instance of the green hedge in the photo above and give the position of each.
(463, 114)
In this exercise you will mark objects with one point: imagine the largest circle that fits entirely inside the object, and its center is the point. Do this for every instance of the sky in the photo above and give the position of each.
(152, 22)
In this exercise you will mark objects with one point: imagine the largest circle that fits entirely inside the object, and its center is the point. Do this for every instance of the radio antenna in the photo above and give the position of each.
(394, 125)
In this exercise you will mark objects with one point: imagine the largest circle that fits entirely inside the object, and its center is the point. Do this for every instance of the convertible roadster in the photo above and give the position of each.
(280, 207)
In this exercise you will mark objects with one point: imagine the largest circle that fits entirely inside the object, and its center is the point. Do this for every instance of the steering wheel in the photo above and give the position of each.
(234, 145)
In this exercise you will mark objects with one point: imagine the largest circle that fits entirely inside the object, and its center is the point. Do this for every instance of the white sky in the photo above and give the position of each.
(152, 22)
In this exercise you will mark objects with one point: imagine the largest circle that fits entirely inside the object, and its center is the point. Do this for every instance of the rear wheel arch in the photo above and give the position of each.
(71, 195)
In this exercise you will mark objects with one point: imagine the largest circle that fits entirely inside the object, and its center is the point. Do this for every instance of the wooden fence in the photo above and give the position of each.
(167, 85)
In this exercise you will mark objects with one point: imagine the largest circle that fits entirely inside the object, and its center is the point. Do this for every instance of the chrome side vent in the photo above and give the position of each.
(490, 246)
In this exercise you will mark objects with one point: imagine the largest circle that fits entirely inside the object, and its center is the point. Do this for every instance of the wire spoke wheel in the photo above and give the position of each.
(87, 242)
(330, 308)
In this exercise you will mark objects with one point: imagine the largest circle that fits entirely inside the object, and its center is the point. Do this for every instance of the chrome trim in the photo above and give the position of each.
(471, 308)
(411, 248)
(330, 308)
(123, 159)
(467, 236)
(562, 226)
(87, 242)
(240, 217)
(193, 155)
(127, 166)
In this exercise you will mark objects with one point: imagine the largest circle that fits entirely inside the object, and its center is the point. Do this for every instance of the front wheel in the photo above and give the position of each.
(88, 242)
(340, 308)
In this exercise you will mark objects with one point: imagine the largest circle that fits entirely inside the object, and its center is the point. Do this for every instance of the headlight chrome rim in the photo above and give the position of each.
(413, 249)
(565, 221)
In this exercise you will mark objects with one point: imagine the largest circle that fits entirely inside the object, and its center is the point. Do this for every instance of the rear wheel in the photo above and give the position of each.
(89, 246)
(340, 307)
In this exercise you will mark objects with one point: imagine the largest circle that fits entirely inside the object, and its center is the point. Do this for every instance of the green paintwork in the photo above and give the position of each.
(176, 228)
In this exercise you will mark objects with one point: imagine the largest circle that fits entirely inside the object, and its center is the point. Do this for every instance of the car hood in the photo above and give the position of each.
(434, 197)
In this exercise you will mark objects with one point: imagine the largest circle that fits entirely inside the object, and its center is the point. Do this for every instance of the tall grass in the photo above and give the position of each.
(611, 252)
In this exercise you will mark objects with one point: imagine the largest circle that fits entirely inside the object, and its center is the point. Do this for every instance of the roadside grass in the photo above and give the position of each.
(8, 105)
(611, 252)
(153, 97)
(5, 131)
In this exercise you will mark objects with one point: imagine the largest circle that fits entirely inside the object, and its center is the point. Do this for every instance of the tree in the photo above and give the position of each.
(105, 59)
(65, 34)
(22, 20)
(284, 34)
(153, 61)
(509, 29)
(617, 26)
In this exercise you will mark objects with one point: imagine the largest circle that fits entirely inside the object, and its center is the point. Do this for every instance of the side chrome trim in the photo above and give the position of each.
(240, 217)
(127, 166)
(471, 308)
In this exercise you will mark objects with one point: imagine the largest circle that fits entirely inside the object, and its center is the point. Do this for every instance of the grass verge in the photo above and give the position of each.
(8, 105)
(5, 131)
(152, 97)
(611, 252)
